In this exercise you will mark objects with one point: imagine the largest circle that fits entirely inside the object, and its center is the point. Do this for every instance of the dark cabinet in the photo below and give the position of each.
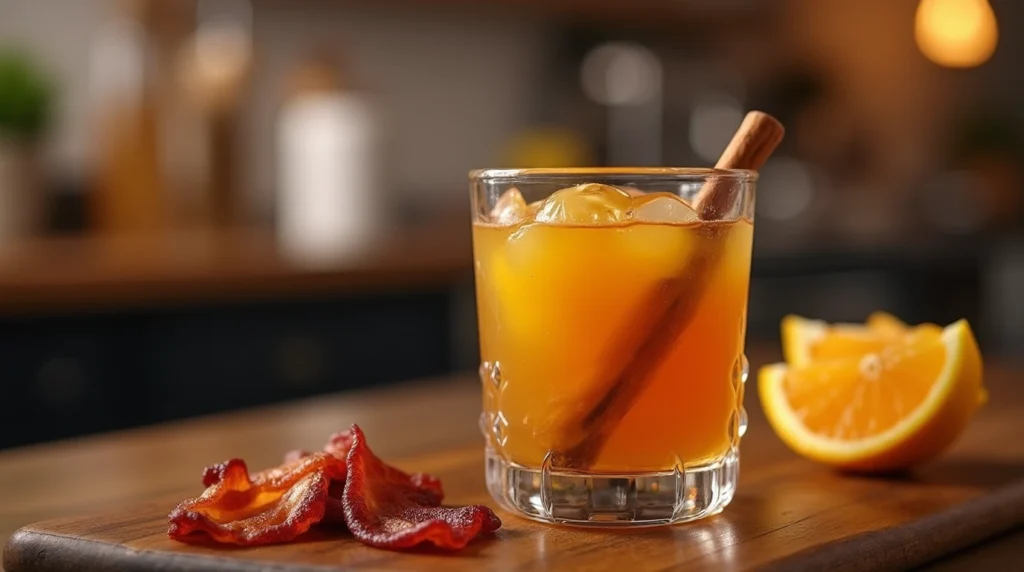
(67, 376)
(243, 357)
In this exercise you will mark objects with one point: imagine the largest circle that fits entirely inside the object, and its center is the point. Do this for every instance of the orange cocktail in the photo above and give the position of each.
(611, 325)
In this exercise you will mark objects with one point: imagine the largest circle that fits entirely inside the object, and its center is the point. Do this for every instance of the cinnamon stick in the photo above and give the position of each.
(754, 141)
(662, 317)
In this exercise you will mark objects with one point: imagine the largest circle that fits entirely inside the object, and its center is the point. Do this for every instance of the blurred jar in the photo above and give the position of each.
(330, 202)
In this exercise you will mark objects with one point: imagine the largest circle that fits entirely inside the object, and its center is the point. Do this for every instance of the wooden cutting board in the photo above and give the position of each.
(788, 514)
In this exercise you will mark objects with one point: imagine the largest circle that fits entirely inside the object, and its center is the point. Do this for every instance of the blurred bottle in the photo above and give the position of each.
(129, 190)
(213, 67)
(166, 79)
(626, 78)
(330, 201)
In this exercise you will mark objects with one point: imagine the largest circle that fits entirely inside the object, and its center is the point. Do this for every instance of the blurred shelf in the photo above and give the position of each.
(644, 13)
(95, 273)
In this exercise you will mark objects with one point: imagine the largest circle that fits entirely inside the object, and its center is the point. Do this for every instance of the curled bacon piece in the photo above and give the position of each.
(337, 446)
(387, 508)
(275, 505)
(344, 484)
(334, 514)
(289, 457)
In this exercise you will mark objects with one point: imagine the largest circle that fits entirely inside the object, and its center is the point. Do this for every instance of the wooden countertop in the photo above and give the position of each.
(91, 272)
(108, 472)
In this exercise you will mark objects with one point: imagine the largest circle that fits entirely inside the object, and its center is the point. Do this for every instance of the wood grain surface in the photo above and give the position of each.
(788, 513)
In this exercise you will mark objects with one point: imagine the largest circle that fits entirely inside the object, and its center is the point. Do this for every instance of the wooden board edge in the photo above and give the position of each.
(30, 550)
(916, 543)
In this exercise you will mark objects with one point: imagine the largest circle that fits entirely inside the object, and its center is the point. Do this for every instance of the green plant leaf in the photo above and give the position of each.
(25, 97)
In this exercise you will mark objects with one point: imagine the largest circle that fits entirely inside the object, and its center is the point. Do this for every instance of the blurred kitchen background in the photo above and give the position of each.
(214, 204)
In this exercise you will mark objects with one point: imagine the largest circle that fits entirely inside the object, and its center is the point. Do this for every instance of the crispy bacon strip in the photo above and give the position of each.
(387, 508)
(338, 446)
(275, 505)
(291, 456)
(345, 484)
(334, 514)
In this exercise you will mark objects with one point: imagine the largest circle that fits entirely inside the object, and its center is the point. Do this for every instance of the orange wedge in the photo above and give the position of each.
(878, 401)
(886, 323)
(805, 340)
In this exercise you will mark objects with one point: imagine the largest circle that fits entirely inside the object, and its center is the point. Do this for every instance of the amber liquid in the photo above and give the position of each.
(556, 305)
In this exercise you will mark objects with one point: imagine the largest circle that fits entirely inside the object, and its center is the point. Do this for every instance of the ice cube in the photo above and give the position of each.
(533, 208)
(662, 207)
(589, 203)
(510, 208)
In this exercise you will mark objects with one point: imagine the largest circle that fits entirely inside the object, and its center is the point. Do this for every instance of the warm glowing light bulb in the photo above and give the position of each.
(956, 33)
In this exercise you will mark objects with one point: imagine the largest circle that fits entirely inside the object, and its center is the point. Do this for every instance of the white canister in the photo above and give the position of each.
(330, 207)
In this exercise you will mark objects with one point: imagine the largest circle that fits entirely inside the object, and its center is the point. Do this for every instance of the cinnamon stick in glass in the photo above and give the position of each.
(581, 436)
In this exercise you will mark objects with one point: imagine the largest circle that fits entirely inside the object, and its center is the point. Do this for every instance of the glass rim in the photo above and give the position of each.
(668, 173)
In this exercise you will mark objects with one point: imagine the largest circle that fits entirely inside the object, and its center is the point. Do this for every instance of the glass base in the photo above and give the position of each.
(642, 499)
